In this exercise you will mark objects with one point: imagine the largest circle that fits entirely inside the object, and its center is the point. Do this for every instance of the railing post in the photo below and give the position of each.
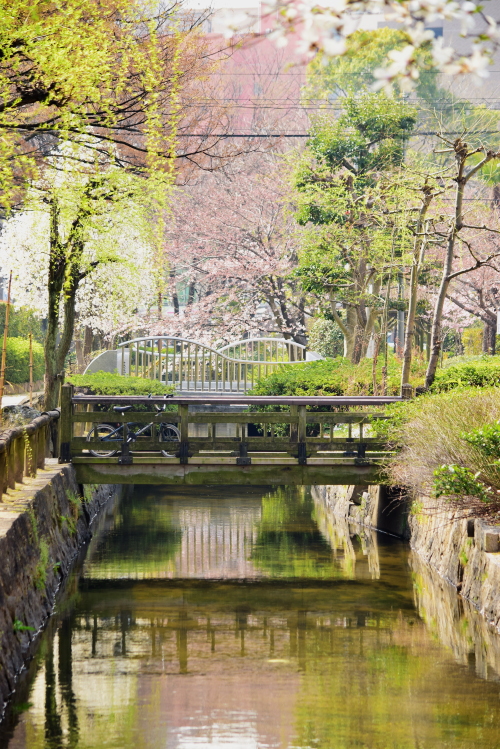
(18, 448)
(294, 413)
(184, 427)
(40, 453)
(301, 435)
(31, 447)
(11, 465)
(406, 391)
(66, 424)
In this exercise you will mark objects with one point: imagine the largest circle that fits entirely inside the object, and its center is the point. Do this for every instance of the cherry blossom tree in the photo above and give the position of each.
(234, 246)
(478, 294)
(327, 26)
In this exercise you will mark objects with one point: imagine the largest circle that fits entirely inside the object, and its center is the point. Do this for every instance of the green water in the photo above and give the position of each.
(235, 618)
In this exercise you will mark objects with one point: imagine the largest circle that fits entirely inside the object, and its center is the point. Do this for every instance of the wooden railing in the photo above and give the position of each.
(192, 366)
(301, 434)
(23, 449)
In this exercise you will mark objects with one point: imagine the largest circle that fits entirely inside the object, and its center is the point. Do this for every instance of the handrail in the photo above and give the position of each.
(215, 350)
(23, 449)
(291, 347)
(192, 366)
(244, 400)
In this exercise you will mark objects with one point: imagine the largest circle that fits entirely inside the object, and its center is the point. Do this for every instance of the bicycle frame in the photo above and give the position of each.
(131, 435)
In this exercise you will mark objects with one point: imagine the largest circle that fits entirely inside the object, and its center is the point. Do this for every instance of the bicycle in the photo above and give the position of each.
(108, 433)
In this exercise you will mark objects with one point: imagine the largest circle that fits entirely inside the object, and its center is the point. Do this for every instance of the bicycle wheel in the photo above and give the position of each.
(100, 432)
(169, 433)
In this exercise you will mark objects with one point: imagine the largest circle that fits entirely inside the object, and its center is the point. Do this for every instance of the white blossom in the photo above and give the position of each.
(324, 26)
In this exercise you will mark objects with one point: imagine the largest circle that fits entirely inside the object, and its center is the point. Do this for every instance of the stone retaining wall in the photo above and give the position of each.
(42, 524)
(464, 551)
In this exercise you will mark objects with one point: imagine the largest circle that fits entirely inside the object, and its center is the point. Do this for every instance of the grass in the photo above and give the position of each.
(430, 433)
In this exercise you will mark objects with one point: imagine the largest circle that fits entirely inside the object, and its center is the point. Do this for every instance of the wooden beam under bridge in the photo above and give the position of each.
(268, 471)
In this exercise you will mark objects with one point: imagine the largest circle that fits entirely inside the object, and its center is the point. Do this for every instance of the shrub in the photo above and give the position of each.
(486, 439)
(453, 480)
(106, 383)
(326, 338)
(482, 372)
(22, 321)
(335, 377)
(444, 431)
(18, 360)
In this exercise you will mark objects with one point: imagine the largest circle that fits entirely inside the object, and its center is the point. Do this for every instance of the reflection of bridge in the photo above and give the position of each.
(295, 446)
(196, 367)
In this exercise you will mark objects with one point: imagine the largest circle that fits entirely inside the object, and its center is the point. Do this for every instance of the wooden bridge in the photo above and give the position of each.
(221, 441)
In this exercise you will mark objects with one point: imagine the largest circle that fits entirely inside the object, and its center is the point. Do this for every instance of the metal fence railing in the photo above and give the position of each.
(192, 366)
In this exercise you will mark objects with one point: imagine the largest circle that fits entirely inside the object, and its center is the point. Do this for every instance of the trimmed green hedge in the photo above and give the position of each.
(481, 372)
(339, 377)
(17, 368)
(106, 383)
(335, 377)
(21, 322)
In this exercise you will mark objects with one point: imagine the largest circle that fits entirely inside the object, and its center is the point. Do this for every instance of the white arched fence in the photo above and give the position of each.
(192, 366)
(265, 349)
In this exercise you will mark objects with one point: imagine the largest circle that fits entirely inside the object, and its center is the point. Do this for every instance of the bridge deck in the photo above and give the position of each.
(297, 446)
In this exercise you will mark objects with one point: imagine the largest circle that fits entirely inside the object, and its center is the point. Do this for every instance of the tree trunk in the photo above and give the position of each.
(489, 338)
(87, 342)
(80, 361)
(418, 258)
(57, 268)
(445, 278)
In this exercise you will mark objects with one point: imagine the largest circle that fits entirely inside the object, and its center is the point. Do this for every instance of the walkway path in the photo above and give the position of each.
(15, 400)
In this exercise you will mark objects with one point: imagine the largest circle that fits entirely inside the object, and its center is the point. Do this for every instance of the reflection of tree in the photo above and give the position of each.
(143, 537)
(289, 543)
(388, 684)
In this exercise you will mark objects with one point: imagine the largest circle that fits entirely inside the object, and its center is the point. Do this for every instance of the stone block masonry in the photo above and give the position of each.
(465, 551)
(42, 525)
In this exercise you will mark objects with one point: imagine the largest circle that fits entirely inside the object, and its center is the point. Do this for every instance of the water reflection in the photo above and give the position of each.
(253, 619)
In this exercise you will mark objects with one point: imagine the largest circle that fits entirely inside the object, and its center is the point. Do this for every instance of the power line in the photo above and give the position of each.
(308, 135)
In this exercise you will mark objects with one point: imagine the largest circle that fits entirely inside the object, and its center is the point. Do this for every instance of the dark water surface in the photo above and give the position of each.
(233, 618)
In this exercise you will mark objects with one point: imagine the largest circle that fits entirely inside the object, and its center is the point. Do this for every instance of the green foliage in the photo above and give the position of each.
(480, 373)
(353, 198)
(106, 383)
(472, 340)
(41, 568)
(70, 523)
(353, 72)
(440, 438)
(369, 135)
(486, 439)
(334, 377)
(85, 61)
(18, 626)
(326, 338)
(18, 360)
(22, 321)
(454, 480)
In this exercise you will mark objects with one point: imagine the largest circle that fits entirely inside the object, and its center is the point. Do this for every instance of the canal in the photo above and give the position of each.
(248, 618)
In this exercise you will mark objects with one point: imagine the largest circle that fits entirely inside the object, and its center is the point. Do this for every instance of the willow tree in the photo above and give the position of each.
(123, 71)
(90, 89)
(349, 193)
(85, 231)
